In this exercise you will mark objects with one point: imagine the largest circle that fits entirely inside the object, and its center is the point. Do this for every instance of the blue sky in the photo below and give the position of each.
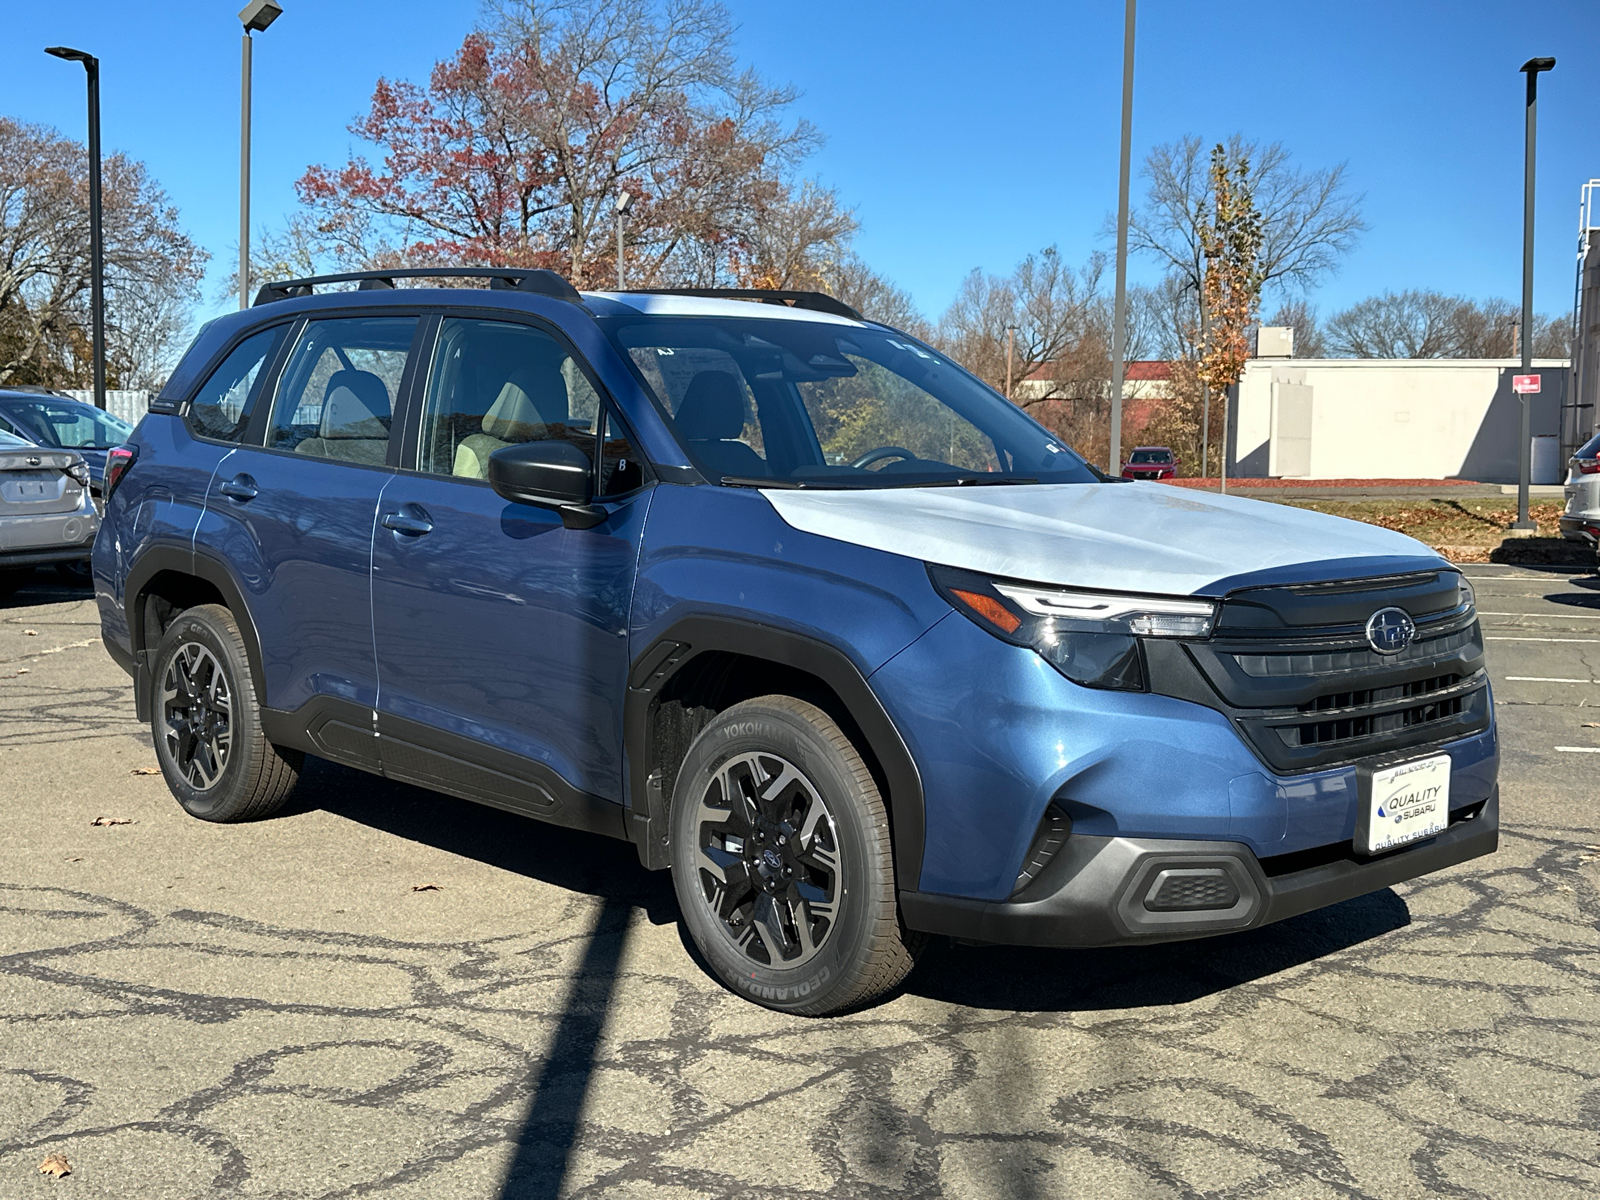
(964, 135)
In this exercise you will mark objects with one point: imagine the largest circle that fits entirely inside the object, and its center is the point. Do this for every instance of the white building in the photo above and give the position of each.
(1352, 418)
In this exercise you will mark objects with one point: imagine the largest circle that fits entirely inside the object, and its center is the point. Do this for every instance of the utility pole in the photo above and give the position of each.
(624, 201)
(1011, 344)
(1119, 310)
(255, 17)
(97, 250)
(1524, 523)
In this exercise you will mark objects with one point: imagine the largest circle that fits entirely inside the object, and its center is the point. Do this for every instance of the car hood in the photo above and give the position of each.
(1123, 536)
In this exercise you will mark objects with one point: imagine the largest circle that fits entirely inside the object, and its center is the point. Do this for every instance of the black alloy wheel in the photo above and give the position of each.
(197, 715)
(768, 859)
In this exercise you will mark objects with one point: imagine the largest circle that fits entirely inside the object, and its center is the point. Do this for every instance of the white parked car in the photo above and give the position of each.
(47, 512)
(1580, 521)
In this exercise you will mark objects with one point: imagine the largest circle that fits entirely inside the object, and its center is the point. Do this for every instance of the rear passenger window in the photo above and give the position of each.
(338, 391)
(221, 407)
(497, 383)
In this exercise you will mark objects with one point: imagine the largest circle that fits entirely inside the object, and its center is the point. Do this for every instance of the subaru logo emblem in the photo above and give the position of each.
(1390, 630)
(34, 460)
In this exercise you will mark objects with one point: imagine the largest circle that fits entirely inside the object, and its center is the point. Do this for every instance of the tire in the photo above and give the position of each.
(228, 771)
(76, 574)
(782, 862)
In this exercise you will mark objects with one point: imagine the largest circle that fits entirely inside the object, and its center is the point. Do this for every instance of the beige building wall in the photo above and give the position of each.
(1386, 418)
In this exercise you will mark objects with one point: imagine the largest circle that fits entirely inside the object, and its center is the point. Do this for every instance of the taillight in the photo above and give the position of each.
(118, 460)
(1587, 466)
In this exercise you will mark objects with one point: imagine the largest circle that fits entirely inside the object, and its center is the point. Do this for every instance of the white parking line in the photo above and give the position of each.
(1547, 616)
(1545, 679)
(1579, 749)
(1584, 641)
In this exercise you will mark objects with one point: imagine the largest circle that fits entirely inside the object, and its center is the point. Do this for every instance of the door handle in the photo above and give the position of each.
(408, 523)
(240, 488)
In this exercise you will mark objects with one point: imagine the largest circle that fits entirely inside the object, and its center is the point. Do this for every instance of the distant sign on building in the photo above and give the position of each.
(1525, 385)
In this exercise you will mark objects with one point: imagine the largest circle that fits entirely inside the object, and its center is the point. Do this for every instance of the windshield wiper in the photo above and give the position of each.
(964, 481)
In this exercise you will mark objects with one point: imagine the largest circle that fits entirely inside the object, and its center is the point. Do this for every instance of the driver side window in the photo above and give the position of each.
(496, 384)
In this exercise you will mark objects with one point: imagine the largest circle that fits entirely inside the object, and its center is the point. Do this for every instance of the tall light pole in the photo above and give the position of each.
(624, 202)
(1011, 346)
(1525, 450)
(1119, 318)
(256, 16)
(97, 265)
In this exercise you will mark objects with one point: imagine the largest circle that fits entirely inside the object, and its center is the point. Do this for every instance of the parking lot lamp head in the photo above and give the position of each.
(258, 14)
(97, 295)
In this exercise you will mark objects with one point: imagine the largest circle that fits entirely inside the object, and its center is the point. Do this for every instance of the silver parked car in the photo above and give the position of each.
(47, 513)
(1580, 521)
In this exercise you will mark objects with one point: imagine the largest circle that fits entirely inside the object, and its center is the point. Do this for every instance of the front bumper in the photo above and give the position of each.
(1095, 891)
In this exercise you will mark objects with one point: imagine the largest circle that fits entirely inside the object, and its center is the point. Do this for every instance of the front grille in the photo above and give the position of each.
(1310, 693)
(1348, 723)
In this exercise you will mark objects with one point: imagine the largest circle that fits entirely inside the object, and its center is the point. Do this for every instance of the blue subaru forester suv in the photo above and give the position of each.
(792, 602)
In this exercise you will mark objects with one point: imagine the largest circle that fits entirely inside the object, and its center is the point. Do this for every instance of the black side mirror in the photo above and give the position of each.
(554, 475)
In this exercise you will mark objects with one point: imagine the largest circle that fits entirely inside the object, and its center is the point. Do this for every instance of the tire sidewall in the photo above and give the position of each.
(808, 987)
(221, 801)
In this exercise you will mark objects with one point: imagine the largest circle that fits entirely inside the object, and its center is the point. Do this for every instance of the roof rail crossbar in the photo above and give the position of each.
(815, 301)
(521, 279)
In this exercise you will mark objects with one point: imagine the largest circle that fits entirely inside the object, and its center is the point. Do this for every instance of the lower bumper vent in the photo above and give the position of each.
(1191, 889)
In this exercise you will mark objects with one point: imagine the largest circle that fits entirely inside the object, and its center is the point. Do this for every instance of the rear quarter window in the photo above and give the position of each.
(221, 406)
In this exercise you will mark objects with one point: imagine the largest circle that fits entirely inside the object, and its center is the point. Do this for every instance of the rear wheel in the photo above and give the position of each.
(782, 861)
(206, 721)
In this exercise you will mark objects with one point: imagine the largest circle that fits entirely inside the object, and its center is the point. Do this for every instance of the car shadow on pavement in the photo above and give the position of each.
(46, 587)
(565, 858)
(1025, 979)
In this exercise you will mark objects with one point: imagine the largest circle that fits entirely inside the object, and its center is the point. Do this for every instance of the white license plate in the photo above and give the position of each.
(1408, 803)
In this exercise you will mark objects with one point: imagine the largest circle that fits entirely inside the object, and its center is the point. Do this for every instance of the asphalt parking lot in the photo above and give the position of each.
(274, 1010)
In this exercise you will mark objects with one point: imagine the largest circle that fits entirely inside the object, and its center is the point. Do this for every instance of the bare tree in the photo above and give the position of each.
(1429, 324)
(1308, 218)
(152, 268)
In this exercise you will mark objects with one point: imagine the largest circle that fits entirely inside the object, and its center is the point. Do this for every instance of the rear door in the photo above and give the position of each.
(294, 516)
(502, 635)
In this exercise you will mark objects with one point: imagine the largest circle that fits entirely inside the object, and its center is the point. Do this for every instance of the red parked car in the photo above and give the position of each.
(1151, 462)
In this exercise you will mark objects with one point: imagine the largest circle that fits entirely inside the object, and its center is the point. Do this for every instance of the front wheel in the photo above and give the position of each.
(782, 861)
(206, 722)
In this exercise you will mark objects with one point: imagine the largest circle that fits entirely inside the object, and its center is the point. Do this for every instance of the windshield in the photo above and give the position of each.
(1151, 456)
(68, 423)
(783, 402)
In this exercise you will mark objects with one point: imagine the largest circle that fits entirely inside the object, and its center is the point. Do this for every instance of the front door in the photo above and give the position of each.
(502, 635)
(296, 518)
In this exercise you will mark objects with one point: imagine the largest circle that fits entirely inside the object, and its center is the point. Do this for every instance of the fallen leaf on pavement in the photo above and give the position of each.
(30, 633)
(426, 887)
(55, 1166)
(145, 771)
(1590, 725)
(112, 821)
(79, 859)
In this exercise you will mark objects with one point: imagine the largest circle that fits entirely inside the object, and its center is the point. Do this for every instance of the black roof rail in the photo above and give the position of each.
(519, 279)
(815, 301)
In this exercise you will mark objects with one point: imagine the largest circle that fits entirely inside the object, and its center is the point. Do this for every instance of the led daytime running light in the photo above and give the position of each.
(1147, 616)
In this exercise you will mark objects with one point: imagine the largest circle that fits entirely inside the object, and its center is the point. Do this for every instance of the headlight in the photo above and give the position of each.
(1090, 637)
(1465, 593)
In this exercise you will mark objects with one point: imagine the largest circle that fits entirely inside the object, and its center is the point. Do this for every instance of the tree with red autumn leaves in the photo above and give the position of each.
(516, 150)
